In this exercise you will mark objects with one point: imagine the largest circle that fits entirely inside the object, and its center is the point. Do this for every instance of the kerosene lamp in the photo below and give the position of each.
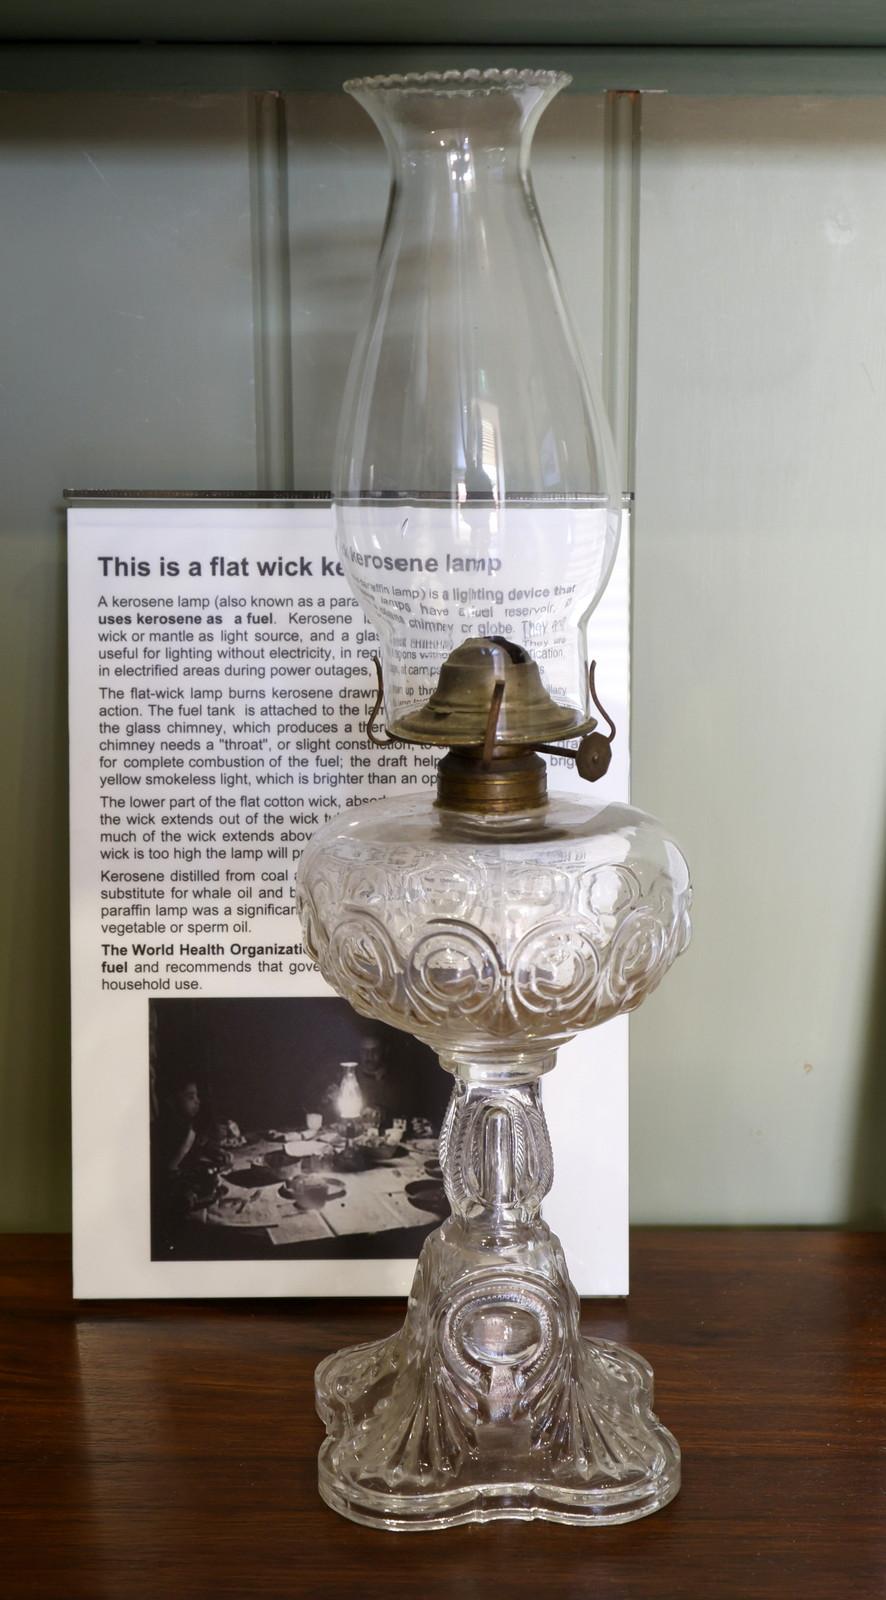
(478, 508)
(348, 1099)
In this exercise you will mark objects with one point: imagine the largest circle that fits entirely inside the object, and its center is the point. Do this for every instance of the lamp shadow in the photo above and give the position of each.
(867, 1185)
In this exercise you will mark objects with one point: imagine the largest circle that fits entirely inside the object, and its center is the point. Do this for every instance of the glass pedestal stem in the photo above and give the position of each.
(489, 1402)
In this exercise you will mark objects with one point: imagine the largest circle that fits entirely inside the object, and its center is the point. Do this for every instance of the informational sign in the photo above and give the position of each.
(238, 1128)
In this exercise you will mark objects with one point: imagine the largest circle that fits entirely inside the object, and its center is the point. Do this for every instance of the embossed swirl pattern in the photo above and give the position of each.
(564, 972)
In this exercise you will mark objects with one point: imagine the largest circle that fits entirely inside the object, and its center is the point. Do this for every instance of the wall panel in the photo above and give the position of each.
(760, 653)
(126, 359)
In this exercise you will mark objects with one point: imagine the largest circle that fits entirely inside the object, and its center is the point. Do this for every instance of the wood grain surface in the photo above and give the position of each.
(169, 1450)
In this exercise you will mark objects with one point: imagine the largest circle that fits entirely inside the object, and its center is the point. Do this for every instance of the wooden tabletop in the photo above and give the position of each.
(167, 1450)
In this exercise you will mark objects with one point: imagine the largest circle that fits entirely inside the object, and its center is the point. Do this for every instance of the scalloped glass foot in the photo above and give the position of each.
(638, 1471)
(490, 1404)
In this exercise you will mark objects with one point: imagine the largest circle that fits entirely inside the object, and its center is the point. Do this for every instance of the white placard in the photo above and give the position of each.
(220, 676)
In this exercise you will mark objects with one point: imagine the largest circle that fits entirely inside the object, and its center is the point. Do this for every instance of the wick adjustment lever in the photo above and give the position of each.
(594, 753)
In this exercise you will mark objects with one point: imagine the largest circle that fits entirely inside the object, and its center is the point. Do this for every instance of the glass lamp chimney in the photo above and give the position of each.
(475, 484)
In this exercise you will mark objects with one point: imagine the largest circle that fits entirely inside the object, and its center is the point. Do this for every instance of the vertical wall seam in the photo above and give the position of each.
(620, 270)
(621, 256)
(271, 291)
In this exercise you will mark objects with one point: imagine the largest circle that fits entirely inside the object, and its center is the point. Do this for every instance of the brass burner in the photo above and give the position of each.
(458, 710)
(492, 710)
(511, 782)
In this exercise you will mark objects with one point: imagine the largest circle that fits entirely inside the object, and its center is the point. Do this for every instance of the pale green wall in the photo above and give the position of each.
(147, 339)
(759, 1090)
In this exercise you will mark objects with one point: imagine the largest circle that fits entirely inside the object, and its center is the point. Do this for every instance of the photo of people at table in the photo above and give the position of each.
(290, 1127)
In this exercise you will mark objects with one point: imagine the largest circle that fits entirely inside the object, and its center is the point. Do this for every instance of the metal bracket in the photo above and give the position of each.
(371, 734)
(592, 685)
(498, 690)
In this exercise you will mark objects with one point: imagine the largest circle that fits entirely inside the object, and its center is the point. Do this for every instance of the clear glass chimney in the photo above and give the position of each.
(475, 483)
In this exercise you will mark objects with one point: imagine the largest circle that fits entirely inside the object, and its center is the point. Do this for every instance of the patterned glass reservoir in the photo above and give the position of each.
(494, 936)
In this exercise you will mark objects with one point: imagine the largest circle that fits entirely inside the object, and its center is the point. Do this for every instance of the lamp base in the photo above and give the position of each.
(494, 939)
(490, 1404)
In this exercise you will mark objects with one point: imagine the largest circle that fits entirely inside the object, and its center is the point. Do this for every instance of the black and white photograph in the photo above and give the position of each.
(290, 1127)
